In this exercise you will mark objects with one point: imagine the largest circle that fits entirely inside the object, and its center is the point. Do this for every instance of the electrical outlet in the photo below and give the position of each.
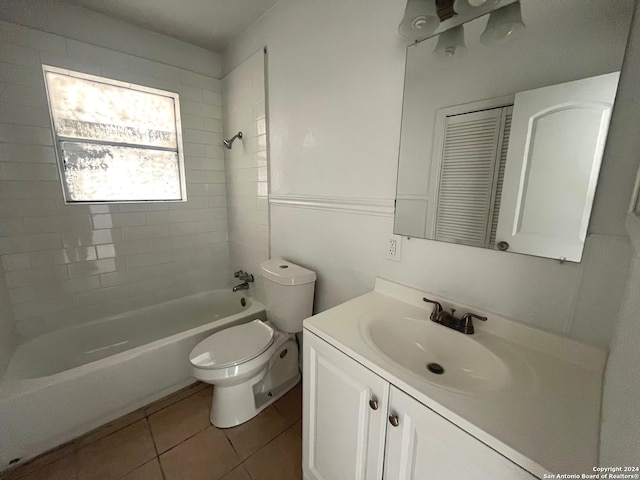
(394, 244)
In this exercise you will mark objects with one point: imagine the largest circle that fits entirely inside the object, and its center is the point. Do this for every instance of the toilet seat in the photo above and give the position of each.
(232, 346)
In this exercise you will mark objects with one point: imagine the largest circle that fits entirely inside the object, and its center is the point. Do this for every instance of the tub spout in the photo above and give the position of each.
(242, 286)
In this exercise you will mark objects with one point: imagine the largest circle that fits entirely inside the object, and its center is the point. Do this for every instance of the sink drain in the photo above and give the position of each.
(435, 368)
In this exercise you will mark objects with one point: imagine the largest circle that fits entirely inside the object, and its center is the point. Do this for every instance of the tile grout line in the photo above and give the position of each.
(182, 441)
(155, 447)
(270, 441)
(246, 471)
(147, 461)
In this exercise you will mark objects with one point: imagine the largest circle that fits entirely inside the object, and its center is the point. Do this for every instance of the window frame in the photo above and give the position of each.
(57, 140)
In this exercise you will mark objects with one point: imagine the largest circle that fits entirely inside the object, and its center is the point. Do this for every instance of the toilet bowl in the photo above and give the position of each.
(253, 364)
(236, 361)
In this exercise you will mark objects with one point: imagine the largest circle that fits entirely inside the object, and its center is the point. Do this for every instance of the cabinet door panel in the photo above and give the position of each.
(343, 437)
(555, 150)
(425, 446)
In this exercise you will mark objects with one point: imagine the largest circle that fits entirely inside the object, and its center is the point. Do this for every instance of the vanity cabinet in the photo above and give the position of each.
(356, 425)
(344, 415)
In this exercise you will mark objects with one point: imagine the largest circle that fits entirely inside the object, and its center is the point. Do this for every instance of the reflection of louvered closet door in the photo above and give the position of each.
(469, 173)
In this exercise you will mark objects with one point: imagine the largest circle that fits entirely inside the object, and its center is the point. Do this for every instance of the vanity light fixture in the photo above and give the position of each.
(451, 43)
(420, 20)
(503, 25)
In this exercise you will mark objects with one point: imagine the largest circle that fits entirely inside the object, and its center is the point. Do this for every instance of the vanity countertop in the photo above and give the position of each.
(546, 419)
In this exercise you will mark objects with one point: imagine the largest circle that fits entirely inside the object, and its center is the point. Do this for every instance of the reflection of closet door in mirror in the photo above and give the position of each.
(467, 166)
(557, 139)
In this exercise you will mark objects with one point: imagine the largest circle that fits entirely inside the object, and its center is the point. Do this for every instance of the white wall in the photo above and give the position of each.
(72, 21)
(7, 333)
(620, 435)
(243, 95)
(66, 264)
(335, 78)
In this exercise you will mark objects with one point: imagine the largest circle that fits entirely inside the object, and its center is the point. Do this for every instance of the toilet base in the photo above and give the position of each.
(236, 404)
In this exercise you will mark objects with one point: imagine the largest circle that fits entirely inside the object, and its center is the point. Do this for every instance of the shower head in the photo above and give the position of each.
(228, 143)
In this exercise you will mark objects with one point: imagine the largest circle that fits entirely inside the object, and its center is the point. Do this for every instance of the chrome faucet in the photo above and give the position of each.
(242, 286)
(463, 324)
(245, 278)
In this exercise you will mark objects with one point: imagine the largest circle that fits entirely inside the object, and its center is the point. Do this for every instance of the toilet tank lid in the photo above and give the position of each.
(286, 273)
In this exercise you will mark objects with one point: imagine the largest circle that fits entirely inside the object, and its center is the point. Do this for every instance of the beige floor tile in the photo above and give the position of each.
(179, 421)
(175, 397)
(290, 404)
(41, 461)
(65, 468)
(257, 432)
(113, 456)
(205, 456)
(111, 427)
(148, 471)
(279, 460)
(238, 473)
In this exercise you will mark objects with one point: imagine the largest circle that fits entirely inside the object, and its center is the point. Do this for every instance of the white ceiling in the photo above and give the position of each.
(210, 24)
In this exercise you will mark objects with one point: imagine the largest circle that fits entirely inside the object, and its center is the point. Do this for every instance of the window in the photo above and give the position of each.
(115, 141)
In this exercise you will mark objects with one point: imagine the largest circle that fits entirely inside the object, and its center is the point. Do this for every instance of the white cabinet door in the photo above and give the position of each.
(343, 427)
(555, 149)
(425, 446)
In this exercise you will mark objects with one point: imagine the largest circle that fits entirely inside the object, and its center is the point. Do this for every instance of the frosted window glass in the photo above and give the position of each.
(115, 141)
(111, 173)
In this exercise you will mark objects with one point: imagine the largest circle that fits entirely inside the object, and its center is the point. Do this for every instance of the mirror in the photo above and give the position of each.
(501, 142)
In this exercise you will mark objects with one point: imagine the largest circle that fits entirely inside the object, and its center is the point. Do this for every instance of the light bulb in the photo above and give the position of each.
(451, 43)
(503, 25)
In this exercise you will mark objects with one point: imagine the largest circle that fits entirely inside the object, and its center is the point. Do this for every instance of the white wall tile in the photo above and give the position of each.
(20, 75)
(30, 243)
(22, 115)
(23, 278)
(62, 256)
(94, 267)
(196, 80)
(16, 261)
(103, 56)
(248, 225)
(21, 134)
(19, 55)
(62, 223)
(36, 171)
(67, 264)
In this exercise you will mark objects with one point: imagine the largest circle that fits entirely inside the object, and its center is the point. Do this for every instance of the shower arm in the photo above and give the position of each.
(228, 143)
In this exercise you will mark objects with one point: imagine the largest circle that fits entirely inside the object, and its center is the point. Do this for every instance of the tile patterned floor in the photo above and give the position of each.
(172, 439)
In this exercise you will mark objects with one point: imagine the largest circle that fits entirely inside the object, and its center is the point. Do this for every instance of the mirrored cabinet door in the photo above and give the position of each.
(553, 161)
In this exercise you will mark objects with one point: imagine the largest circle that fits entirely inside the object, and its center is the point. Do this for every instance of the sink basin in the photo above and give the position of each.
(435, 353)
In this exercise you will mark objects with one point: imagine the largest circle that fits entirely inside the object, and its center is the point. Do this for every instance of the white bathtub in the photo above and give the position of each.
(65, 383)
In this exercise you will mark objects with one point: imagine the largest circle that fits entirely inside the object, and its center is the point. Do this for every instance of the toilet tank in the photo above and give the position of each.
(288, 292)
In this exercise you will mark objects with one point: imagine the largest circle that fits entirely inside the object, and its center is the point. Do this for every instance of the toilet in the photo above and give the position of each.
(253, 364)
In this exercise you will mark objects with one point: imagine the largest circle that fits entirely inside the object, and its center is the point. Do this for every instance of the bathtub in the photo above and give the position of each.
(67, 382)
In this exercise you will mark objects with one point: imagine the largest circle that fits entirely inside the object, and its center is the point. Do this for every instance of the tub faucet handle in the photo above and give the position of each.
(243, 276)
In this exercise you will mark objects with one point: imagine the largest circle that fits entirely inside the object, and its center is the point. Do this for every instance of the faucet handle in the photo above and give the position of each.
(466, 322)
(238, 273)
(469, 316)
(437, 307)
